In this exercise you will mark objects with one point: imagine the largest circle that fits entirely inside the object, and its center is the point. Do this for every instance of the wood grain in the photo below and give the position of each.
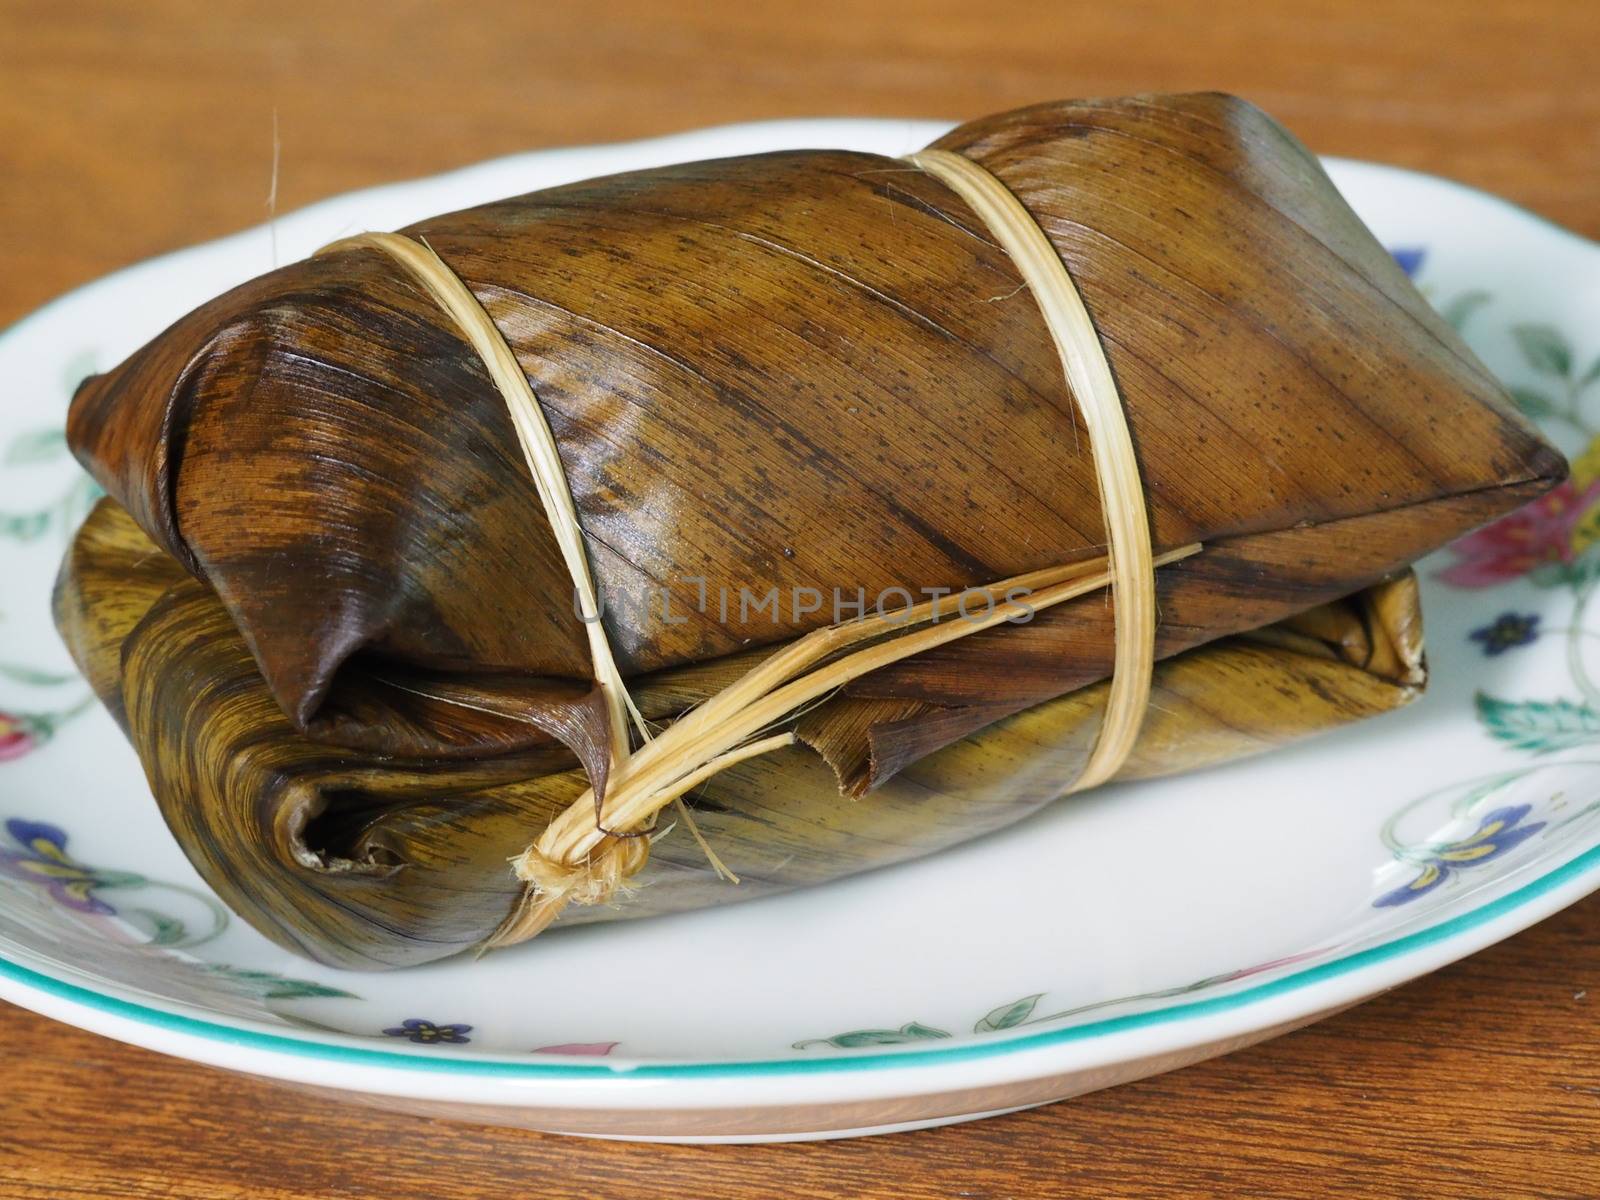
(129, 130)
(141, 128)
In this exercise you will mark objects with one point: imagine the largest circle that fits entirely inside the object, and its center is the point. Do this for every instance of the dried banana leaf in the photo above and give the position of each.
(328, 607)
(365, 860)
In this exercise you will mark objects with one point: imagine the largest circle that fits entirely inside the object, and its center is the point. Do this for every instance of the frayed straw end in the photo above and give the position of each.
(552, 885)
(593, 881)
(532, 915)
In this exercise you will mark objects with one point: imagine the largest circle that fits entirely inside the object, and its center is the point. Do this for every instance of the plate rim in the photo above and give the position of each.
(1584, 867)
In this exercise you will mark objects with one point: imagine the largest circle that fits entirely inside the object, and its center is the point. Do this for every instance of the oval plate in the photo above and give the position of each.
(1148, 927)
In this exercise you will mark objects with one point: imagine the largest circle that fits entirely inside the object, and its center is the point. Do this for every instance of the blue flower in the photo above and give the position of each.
(44, 860)
(1498, 833)
(1506, 632)
(426, 1033)
(1410, 258)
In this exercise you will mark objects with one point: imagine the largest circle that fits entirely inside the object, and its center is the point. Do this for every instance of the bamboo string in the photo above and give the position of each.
(1133, 587)
(542, 455)
(538, 444)
(712, 737)
(578, 858)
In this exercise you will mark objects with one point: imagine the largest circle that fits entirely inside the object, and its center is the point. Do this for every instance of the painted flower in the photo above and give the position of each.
(1410, 258)
(1506, 632)
(18, 735)
(44, 860)
(426, 1033)
(1552, 531)
(1262, 968)
(1586, 466)
(1498, 833)
(597, 1049)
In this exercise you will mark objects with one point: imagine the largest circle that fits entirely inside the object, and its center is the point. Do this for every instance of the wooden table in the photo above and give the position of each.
(128, 130)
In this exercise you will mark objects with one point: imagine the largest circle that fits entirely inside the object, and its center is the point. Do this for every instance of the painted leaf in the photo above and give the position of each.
(1542, 726)
(1572, 574)
(1533, 403)
(304, 989)
(856, 1038)
(1008, 1015)
(32, 676)
(1463, 306)
(78, 368)
(1545, 348)
(271, 986)
(164, 930)
(39, 445)
(24, 527)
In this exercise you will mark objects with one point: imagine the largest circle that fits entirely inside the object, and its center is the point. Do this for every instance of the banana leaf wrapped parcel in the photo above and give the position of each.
(791, 395)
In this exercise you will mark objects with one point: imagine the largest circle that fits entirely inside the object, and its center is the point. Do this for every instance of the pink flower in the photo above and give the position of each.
(1554, 530)
(1274, 964)
(17, 737)
(598, 1049)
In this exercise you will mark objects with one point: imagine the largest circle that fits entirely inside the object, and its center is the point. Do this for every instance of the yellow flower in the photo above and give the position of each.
(1586, 520)
(1586, 467)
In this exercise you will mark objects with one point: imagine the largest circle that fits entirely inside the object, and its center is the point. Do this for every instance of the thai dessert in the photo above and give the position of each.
(767, 519)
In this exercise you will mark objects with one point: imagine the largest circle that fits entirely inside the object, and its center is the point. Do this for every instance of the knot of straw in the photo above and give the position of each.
(552, 881)
(594, 880)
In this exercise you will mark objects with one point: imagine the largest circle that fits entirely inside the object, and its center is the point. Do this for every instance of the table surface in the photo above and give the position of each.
(127, 130)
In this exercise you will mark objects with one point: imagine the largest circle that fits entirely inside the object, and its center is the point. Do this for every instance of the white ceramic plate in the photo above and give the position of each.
(1166, 923)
